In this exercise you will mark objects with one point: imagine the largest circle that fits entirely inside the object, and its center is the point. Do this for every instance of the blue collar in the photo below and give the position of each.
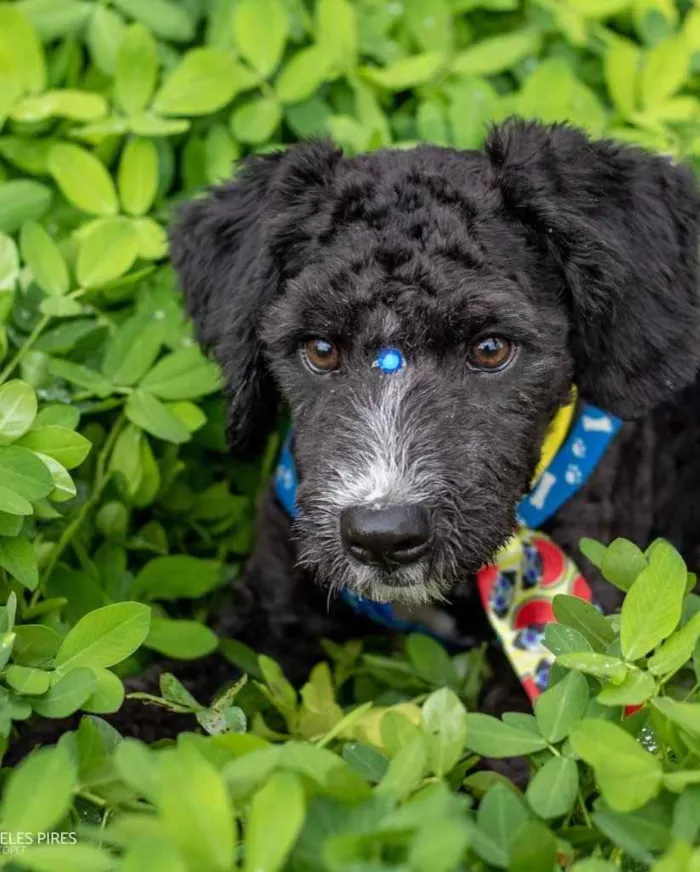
(572, 465)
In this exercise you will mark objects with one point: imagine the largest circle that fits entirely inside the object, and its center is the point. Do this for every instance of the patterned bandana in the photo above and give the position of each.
(518, 587)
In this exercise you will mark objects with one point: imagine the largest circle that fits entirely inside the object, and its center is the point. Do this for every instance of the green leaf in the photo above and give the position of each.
(430, 660)
(496, 54)
(136, 69)
(19, 40)
(600, 665)
(175, 692)
(12, 503)
(138, 176)
(35, 645)
(686, 815)
(336, 32)
(133, 349)
(367, 760)
(257, 120)
(53, 21)
(57, 415)
(166, 19)
(593, 550)
(108, 695)
(684, 714)
(22, 200)
(407, 72)
(585, 618)
(677, 650)
(60, 307)
(430, 25)
(66, 446)
(652, 608)
(77, 857)
(302, 75)
(445, 724)
(492, 738)
(205, 81)
(105, 33)
(560, 639)
(22, 472)
(18, 407)
(43, 258)
(195, 808)
(66, 103)
(83, 179)
(623, 563)
(106, 252)
(126, 459)
(10, 525)
(39, 791)
(533, 849)
(188, 414)
(638, 833)
(28, 680)
(499, 816)
(621, 63)
(628, 775)
(9, 264)
(185, 374)
(276, 816)
(18, 558)
(406, 769)
(439, 847)
(177, 577)
(599, 8)
(64, 487)
(665, 70)
(137, 766)
(260, 29)
(182, 639)
(147, 124)
(561, 707)
(152, 239)
(67, 694)
(552, 792)
(637, 688)
(80, 375)
(105, 636)
(147, 412)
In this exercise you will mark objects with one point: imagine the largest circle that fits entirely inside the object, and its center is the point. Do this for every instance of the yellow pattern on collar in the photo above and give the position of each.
(557, 433)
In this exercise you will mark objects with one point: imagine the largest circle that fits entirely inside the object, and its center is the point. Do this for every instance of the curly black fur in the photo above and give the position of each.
(582, 253)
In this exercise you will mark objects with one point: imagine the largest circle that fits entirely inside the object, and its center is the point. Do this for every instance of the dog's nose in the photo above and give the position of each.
(389, 536)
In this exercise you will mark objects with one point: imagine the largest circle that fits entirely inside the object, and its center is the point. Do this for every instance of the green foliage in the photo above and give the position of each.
(123, 522)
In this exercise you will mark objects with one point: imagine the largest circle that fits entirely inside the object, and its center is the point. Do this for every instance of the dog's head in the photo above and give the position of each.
(424, 314)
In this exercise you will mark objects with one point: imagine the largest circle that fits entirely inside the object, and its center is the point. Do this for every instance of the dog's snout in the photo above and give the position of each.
(387, 536)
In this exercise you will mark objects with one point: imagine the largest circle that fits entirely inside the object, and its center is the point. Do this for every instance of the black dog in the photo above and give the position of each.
(502, 277)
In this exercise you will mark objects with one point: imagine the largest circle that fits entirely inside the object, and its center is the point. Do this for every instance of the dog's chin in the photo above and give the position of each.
(409, 585)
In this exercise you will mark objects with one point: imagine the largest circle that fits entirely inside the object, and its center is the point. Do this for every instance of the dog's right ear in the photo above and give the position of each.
(228, 251)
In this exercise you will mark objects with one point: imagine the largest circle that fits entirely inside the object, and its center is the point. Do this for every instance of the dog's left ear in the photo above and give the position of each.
(619, 229)
(229, 250)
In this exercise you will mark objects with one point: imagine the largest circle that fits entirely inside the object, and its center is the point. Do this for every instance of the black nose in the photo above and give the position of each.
(388, 536)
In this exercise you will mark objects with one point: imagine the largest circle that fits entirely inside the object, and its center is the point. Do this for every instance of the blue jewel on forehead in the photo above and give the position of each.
(389, 360)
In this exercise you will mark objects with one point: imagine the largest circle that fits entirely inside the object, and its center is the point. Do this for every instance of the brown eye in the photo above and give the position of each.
(320, 356)
(490, 353)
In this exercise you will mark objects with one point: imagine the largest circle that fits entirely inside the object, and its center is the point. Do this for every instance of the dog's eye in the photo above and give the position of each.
(320, 356)
(490, 353)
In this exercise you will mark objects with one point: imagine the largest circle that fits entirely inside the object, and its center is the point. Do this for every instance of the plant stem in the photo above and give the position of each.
(101, 481)
(93, 798)
(25, 348)
(586, 816)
